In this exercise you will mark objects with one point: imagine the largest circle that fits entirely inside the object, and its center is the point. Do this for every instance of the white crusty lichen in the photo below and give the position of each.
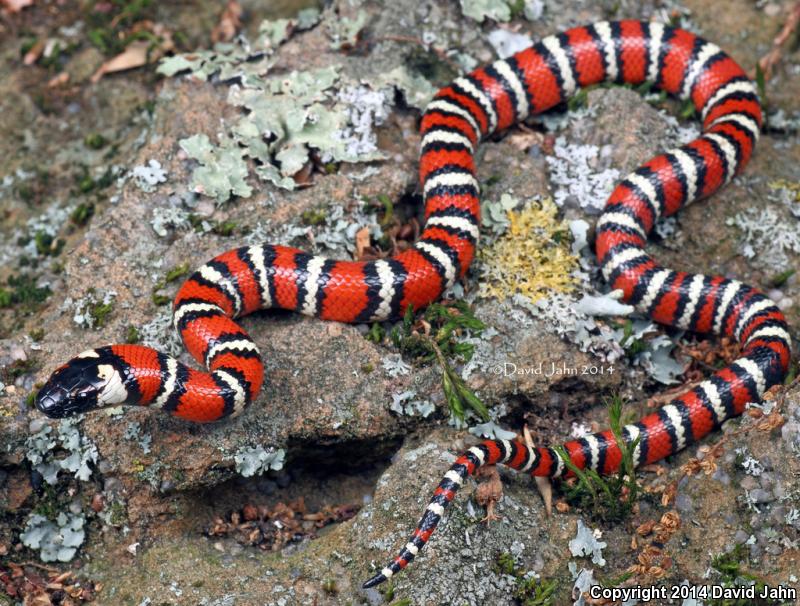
(502, 10)
(255, 460)
(147, 177)
(492, 431)
(767, 236)
(43, 449)
(406, 403)
(587, 544)
(394, 365)
(56, 540)
(578, 177)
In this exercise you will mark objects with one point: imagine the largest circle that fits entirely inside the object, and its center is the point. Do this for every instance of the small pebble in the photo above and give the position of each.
(759, 495)
(683, 503)
(786, 304)
(749, 483)
(741, 537)
(36, 425)
(775, 294)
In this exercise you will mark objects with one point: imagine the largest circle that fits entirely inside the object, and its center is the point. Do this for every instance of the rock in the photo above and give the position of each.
(162, 485)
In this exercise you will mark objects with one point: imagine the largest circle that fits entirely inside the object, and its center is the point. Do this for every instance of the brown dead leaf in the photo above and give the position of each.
(15, 6)
(362, 242)
(32, 56)
(58, 80)
(229, 23)
(135, 55)
(139, 52)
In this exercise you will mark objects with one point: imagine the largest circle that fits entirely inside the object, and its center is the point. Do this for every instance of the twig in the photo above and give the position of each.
(773, 57)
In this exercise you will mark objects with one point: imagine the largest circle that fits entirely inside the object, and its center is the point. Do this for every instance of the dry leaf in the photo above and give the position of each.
(362, 241)
(135, 55)
(58, 80)
(229, 23)
(15, 6)
(139, 52)
(32, 56)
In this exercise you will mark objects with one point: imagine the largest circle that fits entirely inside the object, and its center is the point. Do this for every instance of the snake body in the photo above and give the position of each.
(474, 106)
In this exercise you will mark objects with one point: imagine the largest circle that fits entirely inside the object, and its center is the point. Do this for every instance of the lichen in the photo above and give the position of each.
(93, 309)
(578, 177)
(480, 10)
(533, 258)
(42, 447)
(256, 460)
(406, 403)
(285, 119)
(56, 541)
(148, 177)
(586, 544)
(769, 238)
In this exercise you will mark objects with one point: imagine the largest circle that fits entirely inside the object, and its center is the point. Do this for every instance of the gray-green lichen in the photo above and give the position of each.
(56, 541)
(257, 460)
(43, 448)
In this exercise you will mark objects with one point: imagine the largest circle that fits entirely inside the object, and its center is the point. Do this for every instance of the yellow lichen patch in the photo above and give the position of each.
(791, 186)
(532, 258)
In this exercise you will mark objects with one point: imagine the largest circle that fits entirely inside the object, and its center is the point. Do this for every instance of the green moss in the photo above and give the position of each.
(18, 368)
(95, 141)
(632, 345)
(37, 334)
(517, 8)
(82, 213)
(132, 335)
(100, 313)
(23, 293)
(116, 514)
(528, 590)
(430, 65)
(173, 274)
(329, 586)
(434, 336)
(26, 46)
(109, 30)
(314, 217)
(48, 504)
(376, 333)
(48, 245)
(226, 228)
(177, 272)
(608, 499)
(780, 279)
(388, 209)
(85, 182)
(729, 566)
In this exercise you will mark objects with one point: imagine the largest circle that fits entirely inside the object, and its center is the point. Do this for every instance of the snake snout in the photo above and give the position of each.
(73, 389)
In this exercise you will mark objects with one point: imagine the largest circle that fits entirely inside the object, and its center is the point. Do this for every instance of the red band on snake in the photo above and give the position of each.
(488, 100)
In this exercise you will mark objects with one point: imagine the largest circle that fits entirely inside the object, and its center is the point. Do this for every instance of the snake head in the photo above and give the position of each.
(87, 382)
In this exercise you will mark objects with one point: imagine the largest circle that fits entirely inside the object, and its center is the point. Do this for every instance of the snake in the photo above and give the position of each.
(473, 107)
